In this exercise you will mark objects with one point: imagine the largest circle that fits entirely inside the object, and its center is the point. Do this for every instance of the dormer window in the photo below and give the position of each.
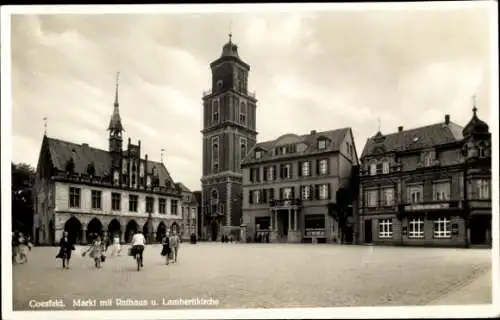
(428, 159)
(385, 167)
(283, 150)
(321, 144)
(258, 154)
(373, 168)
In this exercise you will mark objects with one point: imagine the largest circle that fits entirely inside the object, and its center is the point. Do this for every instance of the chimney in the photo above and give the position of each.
(313, 132)
(129, 140)
(400, 129)
(146, 157)
(447, 119)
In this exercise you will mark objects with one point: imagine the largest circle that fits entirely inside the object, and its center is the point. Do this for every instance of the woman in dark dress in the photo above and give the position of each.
(65, 248)
(166, 250)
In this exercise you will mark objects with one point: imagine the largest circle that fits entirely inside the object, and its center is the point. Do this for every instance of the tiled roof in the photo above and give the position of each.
(61, 152)
(184, 188)
(334, 137)
(413, 139)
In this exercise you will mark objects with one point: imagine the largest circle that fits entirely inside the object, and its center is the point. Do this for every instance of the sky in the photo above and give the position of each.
(311, 70)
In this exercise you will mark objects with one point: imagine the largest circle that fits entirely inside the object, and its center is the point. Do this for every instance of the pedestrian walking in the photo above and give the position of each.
(116, 247)
(174, 245)
(166, 251)
(65, 248)
(97, 249)
(23, 248)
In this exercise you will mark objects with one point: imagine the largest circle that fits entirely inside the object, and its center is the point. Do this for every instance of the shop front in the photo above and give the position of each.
(284, 220)
(315, 228)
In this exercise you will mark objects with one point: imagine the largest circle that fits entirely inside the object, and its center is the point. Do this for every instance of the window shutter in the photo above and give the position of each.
(281, 194)
(250, 197)
(328, 190)
(300, 169)
(293, 193)
(271, 194)
(316, 192)
(275, 168)
(251, 174)
(265, 174)
(317, 167)
(327, 166)
(264, 196)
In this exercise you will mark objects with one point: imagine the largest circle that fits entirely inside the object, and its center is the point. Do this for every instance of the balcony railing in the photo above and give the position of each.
(285, 203)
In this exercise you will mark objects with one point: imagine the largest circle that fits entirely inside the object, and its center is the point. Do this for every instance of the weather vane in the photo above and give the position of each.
(162, 151)
(230, 29)
(45, 125)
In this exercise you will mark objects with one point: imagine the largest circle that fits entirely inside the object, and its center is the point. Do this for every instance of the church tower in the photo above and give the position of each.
(115, 129)
(229, 132)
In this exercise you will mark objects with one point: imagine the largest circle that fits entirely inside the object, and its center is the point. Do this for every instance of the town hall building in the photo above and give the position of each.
(88, 191)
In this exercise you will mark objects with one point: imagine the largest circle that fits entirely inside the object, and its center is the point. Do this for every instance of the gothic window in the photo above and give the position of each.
(124, 166)
(141, 171)
(148, 181)
(215, 111)
(215, 153)
(116, 177)
(243, 148)
(133, 180)
(243, 112)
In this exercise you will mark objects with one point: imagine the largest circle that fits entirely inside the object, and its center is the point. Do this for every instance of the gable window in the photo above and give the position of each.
(243, 112)
(150, 204)
(174, 207)
(479, 189)
(116, 201)
(96, 199)
(416, 229)
(162, 206)
(442, 228)
(132, 203)
(305, 192)
(74, 197)
(243, 148)
(385, 167)
(306, 168)
(441, 191)
(415, 194)
(258, 154)
(388, 196)
(321, 144)
(428, 159)
(323, 166)
(385, 228)
(215, 111)
(371, 198)
(256, 196)
(286, 171)
(287, 193)
(373, 168)
(215, 153)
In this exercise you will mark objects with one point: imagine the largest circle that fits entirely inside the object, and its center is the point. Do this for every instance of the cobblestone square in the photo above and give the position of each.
(258, 276)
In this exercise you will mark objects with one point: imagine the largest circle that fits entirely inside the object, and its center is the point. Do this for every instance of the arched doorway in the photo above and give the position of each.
(214, 228)
(174, 227)
(131, 228)
(147, 230)
(161, 231)
(94, 228)
(52, 233)
(114, 227)
(73, 227)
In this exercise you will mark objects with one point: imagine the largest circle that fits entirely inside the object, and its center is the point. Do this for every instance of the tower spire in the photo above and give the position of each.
(44, 126)
(474, 107)
(116, 90)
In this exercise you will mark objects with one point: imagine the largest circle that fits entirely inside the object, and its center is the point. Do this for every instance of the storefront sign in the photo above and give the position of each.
(431, 206)
(315, 232)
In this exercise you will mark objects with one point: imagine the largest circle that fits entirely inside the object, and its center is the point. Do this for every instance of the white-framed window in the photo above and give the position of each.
(243, 147)
(287, 193)
(284, 150)
(323, 191)
(388, 196)
(371, 198)
(243, 112)
(306, 192)
(385, 167)
(321, 144)
(306, 169)
(373, 168)
(270, 173)
(441, 191)
(287, 171)
(215, 111)
(442, 228)
(428, 159)
(74, 197)
(258, 154)
(385, 228)
(415, 193)
(215, 153)
(96, 199)
(256, 196)
(323, 166)
(481, 189)
(416, 228)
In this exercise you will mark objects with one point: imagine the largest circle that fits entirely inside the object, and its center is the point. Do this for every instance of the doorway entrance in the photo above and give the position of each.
(282, 224)
(214, 229)
(480, 229)
(368, 231)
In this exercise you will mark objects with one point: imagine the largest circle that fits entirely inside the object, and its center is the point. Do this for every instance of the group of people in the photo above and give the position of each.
(99, 246)
(21, 245)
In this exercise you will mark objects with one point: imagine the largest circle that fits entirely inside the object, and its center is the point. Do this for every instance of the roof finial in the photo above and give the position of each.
(379, 125)
(162, 151)
(44, 126)
(474, 108)
(116, 91)
(230, 30)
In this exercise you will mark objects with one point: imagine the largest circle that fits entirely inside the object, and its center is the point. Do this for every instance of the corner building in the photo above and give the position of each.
(288, 184)
(88, 191)
(229, 131)
(427, 186)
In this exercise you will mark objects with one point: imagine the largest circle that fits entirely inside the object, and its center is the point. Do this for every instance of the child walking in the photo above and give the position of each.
(96, 251)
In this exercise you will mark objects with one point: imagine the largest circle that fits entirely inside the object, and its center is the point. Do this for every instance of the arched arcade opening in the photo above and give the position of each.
(161, 231)
(114, 227)
(94, 229)
(74, 229)
(131, 228)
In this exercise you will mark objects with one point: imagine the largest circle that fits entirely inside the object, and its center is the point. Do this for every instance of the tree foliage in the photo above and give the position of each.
(23, 177)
